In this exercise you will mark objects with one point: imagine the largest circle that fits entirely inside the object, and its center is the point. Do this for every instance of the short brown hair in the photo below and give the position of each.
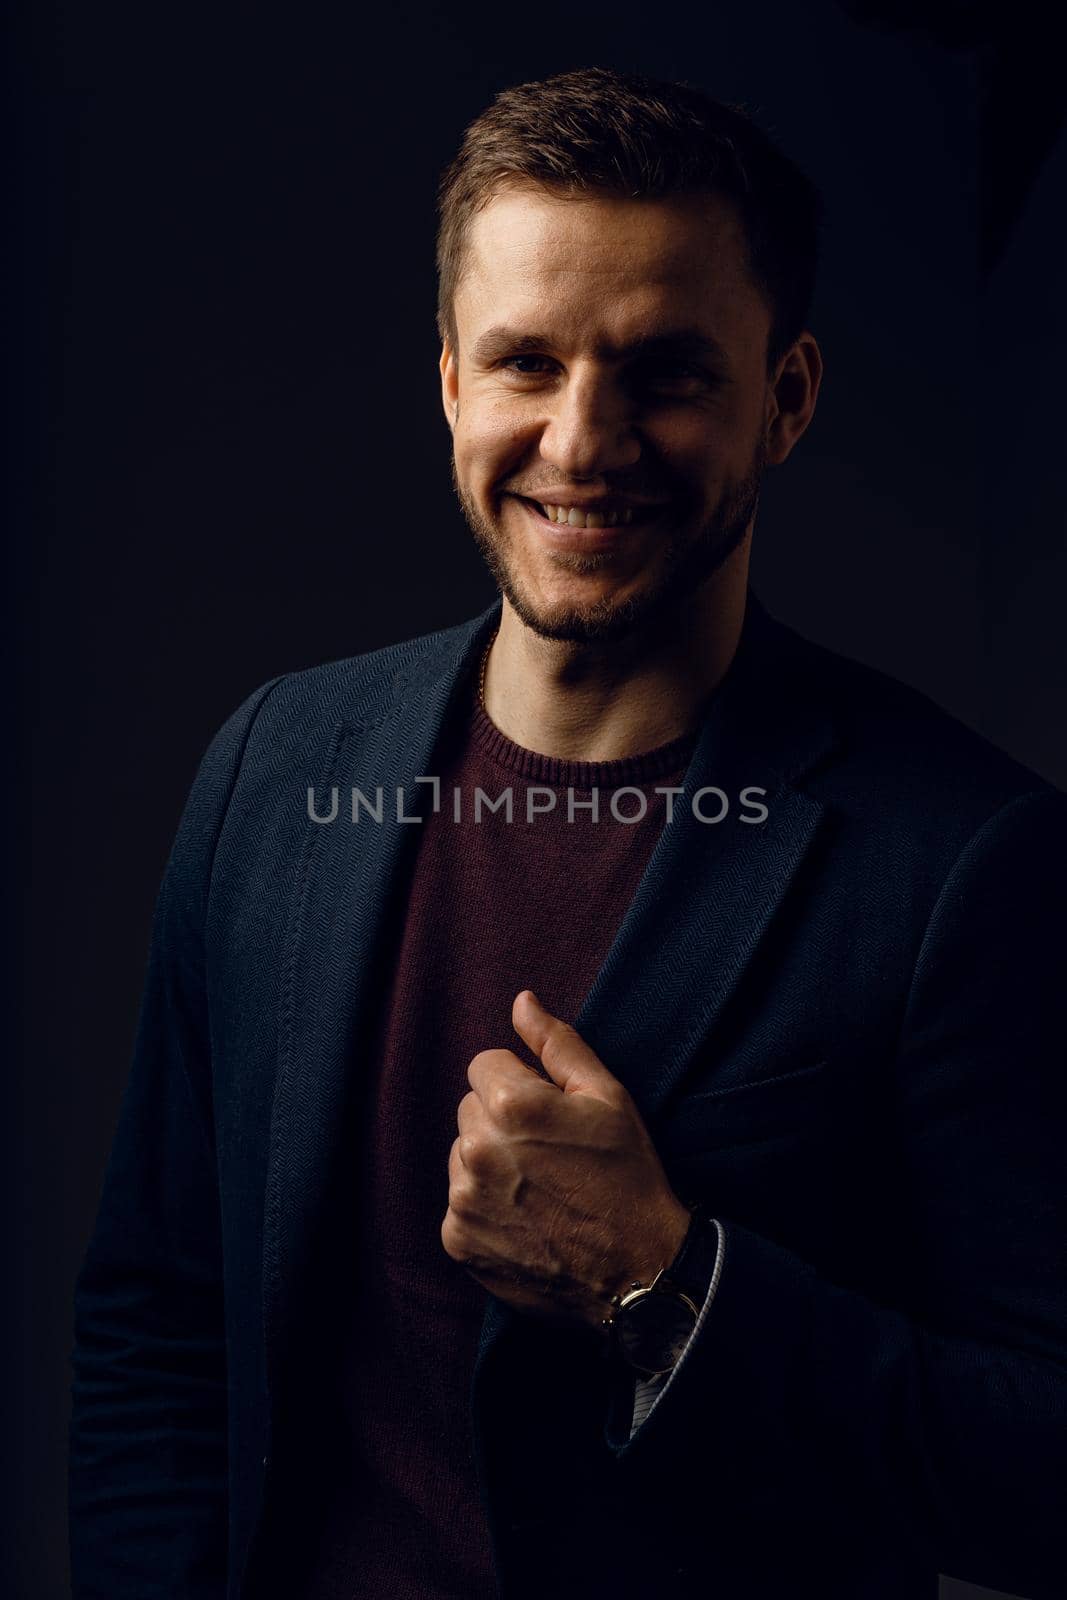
(597, 130)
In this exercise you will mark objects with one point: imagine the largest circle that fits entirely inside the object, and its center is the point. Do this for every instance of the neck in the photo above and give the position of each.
(605, 699)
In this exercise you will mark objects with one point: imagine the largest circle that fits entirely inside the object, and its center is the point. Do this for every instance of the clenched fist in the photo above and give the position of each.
(557, 1198)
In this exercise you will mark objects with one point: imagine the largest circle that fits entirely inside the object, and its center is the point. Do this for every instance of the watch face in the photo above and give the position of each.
(654, 1331)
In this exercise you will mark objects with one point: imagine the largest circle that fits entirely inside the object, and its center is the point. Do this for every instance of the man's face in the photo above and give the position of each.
(611, 367)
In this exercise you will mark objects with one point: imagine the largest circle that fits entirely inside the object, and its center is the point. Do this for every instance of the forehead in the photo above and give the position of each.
(606, 268)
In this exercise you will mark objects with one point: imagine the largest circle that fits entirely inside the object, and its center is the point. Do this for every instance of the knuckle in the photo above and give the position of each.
(512, 1106)
(505, 1103)
(475, 1155)
(462, 1201)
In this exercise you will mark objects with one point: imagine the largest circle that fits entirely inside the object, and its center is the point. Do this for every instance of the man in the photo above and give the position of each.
(614, 1014)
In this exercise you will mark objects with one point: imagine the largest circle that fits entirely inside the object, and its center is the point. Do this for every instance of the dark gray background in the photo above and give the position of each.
(235, 462)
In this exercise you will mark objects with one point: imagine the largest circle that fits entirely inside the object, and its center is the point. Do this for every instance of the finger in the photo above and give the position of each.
(562, 1051)
(470, 1114)
(455, 1165)
(490, 1068)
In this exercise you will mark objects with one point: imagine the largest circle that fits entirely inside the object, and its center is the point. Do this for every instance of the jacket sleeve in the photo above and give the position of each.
(943, 1426)
(148, 1459)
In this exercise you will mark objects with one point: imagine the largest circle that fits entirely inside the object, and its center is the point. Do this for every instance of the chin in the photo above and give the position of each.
(599, 601)
(580, 621)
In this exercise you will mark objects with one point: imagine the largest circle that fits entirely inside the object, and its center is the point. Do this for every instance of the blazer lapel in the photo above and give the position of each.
(339, 913)
(710, 890)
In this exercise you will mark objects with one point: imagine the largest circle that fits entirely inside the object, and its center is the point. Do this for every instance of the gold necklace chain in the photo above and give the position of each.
(481, 675)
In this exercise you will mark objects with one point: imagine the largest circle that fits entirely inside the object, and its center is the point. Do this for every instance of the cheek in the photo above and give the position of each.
(719, 455)
(486, 448)
(695, 442)
(694, 468)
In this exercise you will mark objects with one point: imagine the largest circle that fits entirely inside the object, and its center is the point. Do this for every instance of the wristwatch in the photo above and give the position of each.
(651, 1324)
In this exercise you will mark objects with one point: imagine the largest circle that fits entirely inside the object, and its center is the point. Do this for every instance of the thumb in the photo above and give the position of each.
(561, 1050)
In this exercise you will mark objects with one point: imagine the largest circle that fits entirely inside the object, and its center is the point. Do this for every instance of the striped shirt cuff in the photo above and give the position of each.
(648, 1392)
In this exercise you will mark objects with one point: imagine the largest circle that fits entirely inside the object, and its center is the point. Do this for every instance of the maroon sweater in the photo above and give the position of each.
(493, 907)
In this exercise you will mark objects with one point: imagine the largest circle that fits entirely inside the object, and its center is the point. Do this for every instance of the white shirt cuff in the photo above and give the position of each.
(648, 1392)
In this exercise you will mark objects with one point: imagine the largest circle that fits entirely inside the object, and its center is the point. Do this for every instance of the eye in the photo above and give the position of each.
(671, 375)
(524, 366)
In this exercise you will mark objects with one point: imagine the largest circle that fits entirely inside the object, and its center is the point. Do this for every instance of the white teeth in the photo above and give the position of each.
(576, 518)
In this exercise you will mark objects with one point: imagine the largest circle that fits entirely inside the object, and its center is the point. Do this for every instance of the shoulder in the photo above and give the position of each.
(283, 732)
(897, 748)
(356, 688)
(908, 793)
(306, 707)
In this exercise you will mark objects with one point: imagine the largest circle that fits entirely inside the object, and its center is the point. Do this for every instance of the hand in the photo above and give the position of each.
(557, 1198)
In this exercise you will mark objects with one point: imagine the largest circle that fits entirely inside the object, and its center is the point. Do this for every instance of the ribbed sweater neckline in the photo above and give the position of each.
(664, 761)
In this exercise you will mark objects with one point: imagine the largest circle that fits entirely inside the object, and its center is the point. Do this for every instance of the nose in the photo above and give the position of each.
(589, 430)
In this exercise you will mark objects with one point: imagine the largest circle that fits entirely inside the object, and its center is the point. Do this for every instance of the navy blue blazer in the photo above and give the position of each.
(843, 1028)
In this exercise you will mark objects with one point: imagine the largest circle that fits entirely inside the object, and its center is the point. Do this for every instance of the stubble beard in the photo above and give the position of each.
(687, 566)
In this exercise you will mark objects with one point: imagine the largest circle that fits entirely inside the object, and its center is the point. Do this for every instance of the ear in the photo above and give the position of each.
(449, 367)
(791, 397)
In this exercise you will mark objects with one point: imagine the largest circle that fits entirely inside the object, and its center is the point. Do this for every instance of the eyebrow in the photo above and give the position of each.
(693, 342)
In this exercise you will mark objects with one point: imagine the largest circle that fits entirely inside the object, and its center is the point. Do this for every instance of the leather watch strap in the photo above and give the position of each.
(694, 1266)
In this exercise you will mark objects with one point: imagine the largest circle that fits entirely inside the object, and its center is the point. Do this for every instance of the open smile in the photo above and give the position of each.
(587, 526)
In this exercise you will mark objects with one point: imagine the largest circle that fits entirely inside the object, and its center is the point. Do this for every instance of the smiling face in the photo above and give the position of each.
(610, 404)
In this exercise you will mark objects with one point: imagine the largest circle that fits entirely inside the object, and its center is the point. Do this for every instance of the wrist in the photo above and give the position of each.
(651, 1322)
(670, 1235)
